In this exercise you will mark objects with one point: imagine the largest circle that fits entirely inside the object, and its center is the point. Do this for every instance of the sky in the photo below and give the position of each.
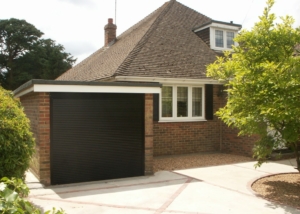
(79, 24)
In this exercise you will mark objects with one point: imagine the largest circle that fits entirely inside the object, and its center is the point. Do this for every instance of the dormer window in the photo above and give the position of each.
(224, 39)
(218, 35)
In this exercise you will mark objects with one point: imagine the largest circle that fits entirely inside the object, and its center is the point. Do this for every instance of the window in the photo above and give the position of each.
(229, 36)
(182, 103)
(167, 102)
(219, 38)
(196, 102)
(224, 39)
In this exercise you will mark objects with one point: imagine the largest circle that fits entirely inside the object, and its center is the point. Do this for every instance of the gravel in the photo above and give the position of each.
(281, 188)
(176, 162)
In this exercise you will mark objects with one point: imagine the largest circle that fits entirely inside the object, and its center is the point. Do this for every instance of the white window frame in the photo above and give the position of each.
(213, 38)
(174, 117)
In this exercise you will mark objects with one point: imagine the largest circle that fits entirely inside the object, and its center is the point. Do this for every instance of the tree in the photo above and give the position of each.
(16, 39)
(262, 76)
(24, 55)
(16, 141)
(46, 60)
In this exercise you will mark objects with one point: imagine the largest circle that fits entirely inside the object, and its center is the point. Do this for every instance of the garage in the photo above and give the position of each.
(89, 131)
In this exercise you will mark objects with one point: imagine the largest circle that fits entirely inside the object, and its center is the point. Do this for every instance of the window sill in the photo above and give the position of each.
(221, 49)
(180, 120)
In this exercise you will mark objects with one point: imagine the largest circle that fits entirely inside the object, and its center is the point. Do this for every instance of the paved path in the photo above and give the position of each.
(217, 189)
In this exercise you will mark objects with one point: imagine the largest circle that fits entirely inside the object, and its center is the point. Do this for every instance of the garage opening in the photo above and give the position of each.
(96, 136)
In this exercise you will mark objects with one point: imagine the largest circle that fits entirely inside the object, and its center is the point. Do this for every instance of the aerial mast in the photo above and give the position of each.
(115, 12)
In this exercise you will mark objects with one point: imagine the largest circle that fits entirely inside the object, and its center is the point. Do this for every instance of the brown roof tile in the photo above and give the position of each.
(161, 45)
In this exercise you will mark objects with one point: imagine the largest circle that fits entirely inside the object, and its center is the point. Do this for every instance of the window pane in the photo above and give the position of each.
(197, 102)
(167, 101)
(182, 102)
(219, 38)
(230, 36)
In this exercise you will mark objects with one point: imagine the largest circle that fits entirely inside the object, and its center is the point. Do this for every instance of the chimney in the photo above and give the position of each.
(109, 32)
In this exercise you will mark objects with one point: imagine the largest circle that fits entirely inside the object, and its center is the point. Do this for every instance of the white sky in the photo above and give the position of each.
(79, 24)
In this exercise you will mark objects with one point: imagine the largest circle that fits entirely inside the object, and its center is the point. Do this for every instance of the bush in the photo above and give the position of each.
(12, 192)
(11, 201)
(16, 141)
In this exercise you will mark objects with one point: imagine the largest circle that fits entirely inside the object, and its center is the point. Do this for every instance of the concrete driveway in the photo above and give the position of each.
(216, 189)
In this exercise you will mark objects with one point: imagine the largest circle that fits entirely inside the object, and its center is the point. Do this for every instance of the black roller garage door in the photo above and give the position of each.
(96, 136)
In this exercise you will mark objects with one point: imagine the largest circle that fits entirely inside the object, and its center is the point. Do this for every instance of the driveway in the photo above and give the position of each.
(216, 189)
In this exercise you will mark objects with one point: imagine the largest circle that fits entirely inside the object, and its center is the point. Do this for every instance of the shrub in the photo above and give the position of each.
(16, 141)
(12, 192)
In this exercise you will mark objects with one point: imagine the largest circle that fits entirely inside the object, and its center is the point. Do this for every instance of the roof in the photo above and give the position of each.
(161, 45)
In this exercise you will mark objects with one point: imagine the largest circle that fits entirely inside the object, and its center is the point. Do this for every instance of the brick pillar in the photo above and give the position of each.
(148, 134)
(37, 109)
(44, 137)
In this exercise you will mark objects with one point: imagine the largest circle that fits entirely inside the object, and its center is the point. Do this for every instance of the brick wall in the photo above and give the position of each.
(37, 109)
(232, 143)
(189, 137)
(186, 137)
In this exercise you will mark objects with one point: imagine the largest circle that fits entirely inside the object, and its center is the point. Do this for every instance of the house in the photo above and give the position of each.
(144, 93)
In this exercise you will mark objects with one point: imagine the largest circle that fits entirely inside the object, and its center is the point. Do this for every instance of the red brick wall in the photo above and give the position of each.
(37, 109)
(186, 137)
(232, 143)
(189, 137)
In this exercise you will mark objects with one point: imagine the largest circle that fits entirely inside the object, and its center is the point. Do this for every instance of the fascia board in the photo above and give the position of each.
(167, 80)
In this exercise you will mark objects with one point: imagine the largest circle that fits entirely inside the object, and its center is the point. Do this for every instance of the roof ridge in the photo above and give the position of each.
(137, 24)
(143, 40)
(194, 10)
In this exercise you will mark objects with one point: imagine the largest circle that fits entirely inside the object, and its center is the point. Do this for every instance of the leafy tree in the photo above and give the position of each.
(16, 141)
(16, 39)
(262, 76)
(24, 55)
(46, 60)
